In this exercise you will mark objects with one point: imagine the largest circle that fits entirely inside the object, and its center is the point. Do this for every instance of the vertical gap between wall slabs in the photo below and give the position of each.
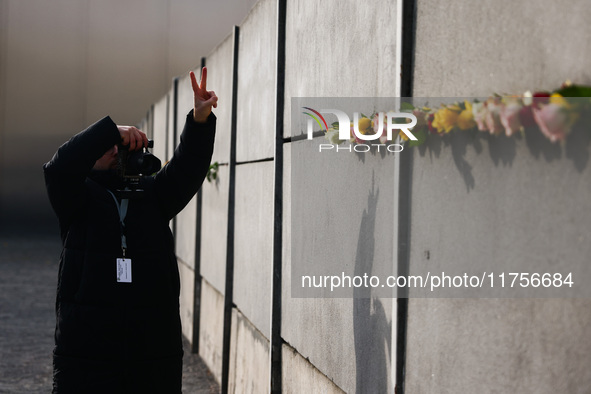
(228, 294)
(404, 170)
(175, 104)
(276, 339)
(197, 281)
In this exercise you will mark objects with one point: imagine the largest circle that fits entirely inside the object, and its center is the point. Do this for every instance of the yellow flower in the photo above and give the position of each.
(364, 124)
(557, 99)
(465, 119)
(445, 118)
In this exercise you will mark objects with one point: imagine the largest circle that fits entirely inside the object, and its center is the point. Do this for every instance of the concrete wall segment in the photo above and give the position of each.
(340, 49)
(187, 276)
(253, 243)
(211, 328)
(348, 340)
(528, 346)
(249, 357)
(500, 46)
(495, 203)
(214, 229)
(492, 208)
(160, 128)
(257, 83)
(186, 232)
(219, 79)
(300, 376)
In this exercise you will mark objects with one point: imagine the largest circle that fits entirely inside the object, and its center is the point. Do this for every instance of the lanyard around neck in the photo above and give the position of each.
(122, 210)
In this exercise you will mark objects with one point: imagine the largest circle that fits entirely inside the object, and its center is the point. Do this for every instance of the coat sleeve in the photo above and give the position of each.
(66, 172)
(178, 181)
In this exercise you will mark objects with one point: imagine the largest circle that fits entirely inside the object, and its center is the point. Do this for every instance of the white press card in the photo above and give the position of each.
(124, 270)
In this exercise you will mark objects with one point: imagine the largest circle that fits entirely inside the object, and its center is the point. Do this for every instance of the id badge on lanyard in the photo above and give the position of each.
(123, 264)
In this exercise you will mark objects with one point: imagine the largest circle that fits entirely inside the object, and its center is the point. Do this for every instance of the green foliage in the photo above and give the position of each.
(421, 137)
(575, 91)
(212, 173)
(406, 107)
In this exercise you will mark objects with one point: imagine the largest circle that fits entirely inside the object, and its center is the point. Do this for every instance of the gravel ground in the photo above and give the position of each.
(28, 277)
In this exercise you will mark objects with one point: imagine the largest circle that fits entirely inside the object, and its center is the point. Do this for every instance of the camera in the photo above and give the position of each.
(132, 166)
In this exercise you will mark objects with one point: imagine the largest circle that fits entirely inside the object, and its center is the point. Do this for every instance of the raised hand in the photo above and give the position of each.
(202, 98)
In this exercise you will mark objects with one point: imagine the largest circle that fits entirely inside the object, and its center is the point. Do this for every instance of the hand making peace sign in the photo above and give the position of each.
(203, 99)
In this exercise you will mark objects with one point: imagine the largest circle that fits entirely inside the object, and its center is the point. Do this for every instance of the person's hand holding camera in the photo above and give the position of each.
(132, 137)
(203, 99)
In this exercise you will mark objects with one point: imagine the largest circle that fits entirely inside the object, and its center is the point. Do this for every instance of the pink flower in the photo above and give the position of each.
(509, 116)
(480, 112)
(553, 121)
(493, 118)
(376, 123)
(421, 118)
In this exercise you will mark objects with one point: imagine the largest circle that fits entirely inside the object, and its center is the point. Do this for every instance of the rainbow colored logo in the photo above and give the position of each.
(316, 117)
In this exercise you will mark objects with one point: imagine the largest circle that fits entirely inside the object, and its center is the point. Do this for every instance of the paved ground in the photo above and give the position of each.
(28, 276)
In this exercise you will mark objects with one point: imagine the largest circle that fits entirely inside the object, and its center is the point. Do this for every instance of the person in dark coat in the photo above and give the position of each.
(118, 327)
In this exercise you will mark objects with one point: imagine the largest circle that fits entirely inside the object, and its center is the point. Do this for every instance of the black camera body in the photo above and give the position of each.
(132, 166)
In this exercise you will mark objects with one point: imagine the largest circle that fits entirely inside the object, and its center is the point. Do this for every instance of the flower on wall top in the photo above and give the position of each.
(554, 114)
(466, 117)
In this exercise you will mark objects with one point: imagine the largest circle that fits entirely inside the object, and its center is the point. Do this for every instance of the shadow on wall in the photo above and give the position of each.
(503, 149)
(371, 330)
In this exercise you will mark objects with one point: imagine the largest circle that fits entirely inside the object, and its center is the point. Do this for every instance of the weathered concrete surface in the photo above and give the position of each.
(214, 229)
(219, 79)
(510, 212)
(520, 203)
(348, 340)
(211, 328)
(186, 231)
(340, 49)
(299, 376)
(500, 46)
(187, 276)
(255, 134)
(249, 357)
(519, 345)
(253, 243)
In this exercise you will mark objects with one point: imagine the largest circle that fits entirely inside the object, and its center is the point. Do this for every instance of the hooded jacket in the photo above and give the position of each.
(113, 336)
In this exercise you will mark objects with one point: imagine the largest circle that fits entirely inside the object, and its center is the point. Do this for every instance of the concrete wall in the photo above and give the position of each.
(474, 199)
(249, 357)
(214, 229)
(160, 128)
(510, 205)
(325, 53)
(257, 83)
